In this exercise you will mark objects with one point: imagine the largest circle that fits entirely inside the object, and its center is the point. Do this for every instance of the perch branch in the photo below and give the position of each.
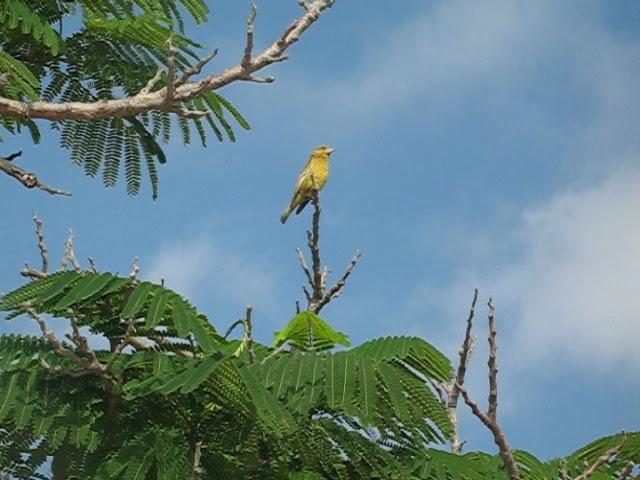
(174, 92)
(28, 179)
(318, 275)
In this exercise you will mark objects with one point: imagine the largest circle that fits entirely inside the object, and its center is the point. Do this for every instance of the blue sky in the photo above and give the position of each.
(494, 146)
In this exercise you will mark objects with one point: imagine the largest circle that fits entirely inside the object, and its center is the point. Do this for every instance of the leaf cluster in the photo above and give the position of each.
(91, 50)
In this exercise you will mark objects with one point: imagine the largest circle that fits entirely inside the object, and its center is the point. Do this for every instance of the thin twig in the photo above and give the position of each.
(248, 49)
(492, 364)
(42, 246)
(454, 392)
(498, 435)
(197, 470)
(151, 83)
(338, 288)
(70, 255)
(248, 335)
(171, 71)
(28, 179)
(121, 346)
(275, 352)
(93, 265)
(135, 269)
(305, 267)
(232, 327)
(195, 69)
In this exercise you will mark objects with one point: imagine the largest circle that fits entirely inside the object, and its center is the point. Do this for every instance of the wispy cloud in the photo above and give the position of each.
(215, 275)
(570, 294)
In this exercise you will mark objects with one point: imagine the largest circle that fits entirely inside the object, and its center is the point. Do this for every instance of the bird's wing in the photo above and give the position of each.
(305, 174)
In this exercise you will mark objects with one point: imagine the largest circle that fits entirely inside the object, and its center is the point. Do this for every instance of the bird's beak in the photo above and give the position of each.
(330, 150)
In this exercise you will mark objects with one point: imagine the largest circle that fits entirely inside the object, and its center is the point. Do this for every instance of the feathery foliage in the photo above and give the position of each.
(90, 50)
(363, 413)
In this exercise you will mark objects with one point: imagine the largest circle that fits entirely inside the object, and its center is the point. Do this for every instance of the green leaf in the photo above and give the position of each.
(307, 331)
(85, 288)
(136, 300)
(156, 310)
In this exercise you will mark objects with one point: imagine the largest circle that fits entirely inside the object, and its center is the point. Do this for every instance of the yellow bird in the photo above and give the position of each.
(314, 175)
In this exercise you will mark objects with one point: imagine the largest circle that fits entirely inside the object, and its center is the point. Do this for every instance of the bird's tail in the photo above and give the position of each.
(285, 214)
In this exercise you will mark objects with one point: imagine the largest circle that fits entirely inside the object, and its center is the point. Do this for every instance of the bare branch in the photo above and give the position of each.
(275, 352)
(313, 241)
(175, 91)
(135, 269)
(30, 272)
(454, 392)
(232, 328)
(248, 49)
(248, 335)
(151, 83)
(185, 113)
(42, 246)
(196, 69)
(28, 179)
(498, 435)
(489, 419)
(304, 5)
(171, 71)
(564, 472)
(306, 294)
(337, 289)
(260, 79)
(305, 267)
(4, 78)
(601, 460)
(70, 255)
(121, 346)
(86, 358)
(197, 471)
(94, 266)
(492, 364)
(13, 156)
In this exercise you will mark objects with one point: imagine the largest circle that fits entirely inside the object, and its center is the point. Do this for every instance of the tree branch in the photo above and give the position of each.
(498, 435)
(601, 460)
(492, 364)
(70, 255)
(175, 92)
(29, 271)
(318, 275)
(489, 419)
(196, 472)
(454, 391)
(28, 179)
(337, 289)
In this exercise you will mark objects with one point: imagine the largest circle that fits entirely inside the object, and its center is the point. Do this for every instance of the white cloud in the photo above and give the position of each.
(203, 269)
(575, 291)
(570, 295)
